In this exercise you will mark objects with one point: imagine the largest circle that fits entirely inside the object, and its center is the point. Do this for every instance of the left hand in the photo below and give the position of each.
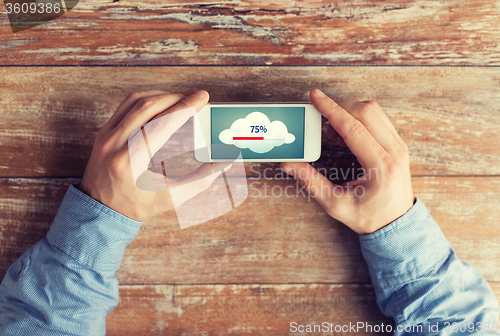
(111, 174)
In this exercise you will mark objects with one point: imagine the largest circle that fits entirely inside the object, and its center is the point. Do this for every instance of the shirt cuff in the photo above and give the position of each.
(90, 232)
(408, 248)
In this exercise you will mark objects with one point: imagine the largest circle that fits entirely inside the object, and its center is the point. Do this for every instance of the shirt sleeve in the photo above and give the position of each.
(65, 284)
(420, 281)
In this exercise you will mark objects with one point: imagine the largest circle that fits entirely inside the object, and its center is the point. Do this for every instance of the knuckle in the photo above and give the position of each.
(135, 95)
(356, 128)
(388, 164)
(119, 163)
(158, 121)
(105, 146)
(369, 108)
(306, 185)
(146, 103)
(115, 168)
(182, 104)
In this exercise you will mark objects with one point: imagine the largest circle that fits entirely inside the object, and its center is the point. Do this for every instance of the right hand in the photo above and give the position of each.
(384, 193)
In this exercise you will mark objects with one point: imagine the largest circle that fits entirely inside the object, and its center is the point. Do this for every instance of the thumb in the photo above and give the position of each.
(190, 185)
(318, 186)
(145, 141)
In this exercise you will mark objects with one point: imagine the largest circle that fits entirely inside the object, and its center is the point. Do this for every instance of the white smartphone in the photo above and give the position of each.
(251, 132)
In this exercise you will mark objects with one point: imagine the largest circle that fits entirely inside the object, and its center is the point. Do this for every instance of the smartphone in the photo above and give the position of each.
(265, 132)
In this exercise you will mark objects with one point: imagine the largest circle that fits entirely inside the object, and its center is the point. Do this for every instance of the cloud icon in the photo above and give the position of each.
(257, 133)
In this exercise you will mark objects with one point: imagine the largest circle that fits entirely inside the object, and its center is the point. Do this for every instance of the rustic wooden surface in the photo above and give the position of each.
(433, 66)
(274, 245)
(243, 309)
(449, 116)
(257, 309)
(256, 32)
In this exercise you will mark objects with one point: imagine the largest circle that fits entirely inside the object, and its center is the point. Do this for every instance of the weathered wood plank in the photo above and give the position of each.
(450, 117)
(256, 32)
(27, 208)
(267, 239)
(258, 309)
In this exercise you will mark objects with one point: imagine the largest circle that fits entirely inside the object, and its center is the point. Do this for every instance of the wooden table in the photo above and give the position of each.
(433, 66)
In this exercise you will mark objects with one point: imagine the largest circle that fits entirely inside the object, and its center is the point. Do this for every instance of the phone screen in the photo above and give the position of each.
(269, 132)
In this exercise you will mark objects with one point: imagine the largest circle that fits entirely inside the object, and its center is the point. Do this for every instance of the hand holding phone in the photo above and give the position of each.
(384, 193)
(119, 159)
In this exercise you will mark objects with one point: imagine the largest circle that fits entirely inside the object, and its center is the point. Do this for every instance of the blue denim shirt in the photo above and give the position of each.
(65, 284)
(420, 281)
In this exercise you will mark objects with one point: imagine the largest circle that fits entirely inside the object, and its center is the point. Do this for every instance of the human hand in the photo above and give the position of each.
(110, 176)
(385, 192)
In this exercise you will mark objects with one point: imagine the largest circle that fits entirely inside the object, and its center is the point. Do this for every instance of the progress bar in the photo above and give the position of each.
(248, 138)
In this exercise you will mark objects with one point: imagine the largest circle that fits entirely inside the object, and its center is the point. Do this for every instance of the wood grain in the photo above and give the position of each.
(267, 239)
(449, 116)
(257, 309)
(256, 32)
(244, 309)
(274, 259)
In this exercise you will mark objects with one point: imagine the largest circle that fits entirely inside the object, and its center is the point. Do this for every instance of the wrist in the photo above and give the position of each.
(411, 240)
(397, 217)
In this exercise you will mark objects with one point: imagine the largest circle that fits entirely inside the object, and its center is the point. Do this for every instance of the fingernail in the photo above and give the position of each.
(318, 93)
(201, 94)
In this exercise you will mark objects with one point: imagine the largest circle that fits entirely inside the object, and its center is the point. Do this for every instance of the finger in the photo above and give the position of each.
(318, 186)
(128, 103)
(147, 109)
(376, 121)
(361, 143)
(164, 124)
(205, 170)
(198, 100)
(143, 111)
(190, 185)
(152, 181)
(144, 142)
